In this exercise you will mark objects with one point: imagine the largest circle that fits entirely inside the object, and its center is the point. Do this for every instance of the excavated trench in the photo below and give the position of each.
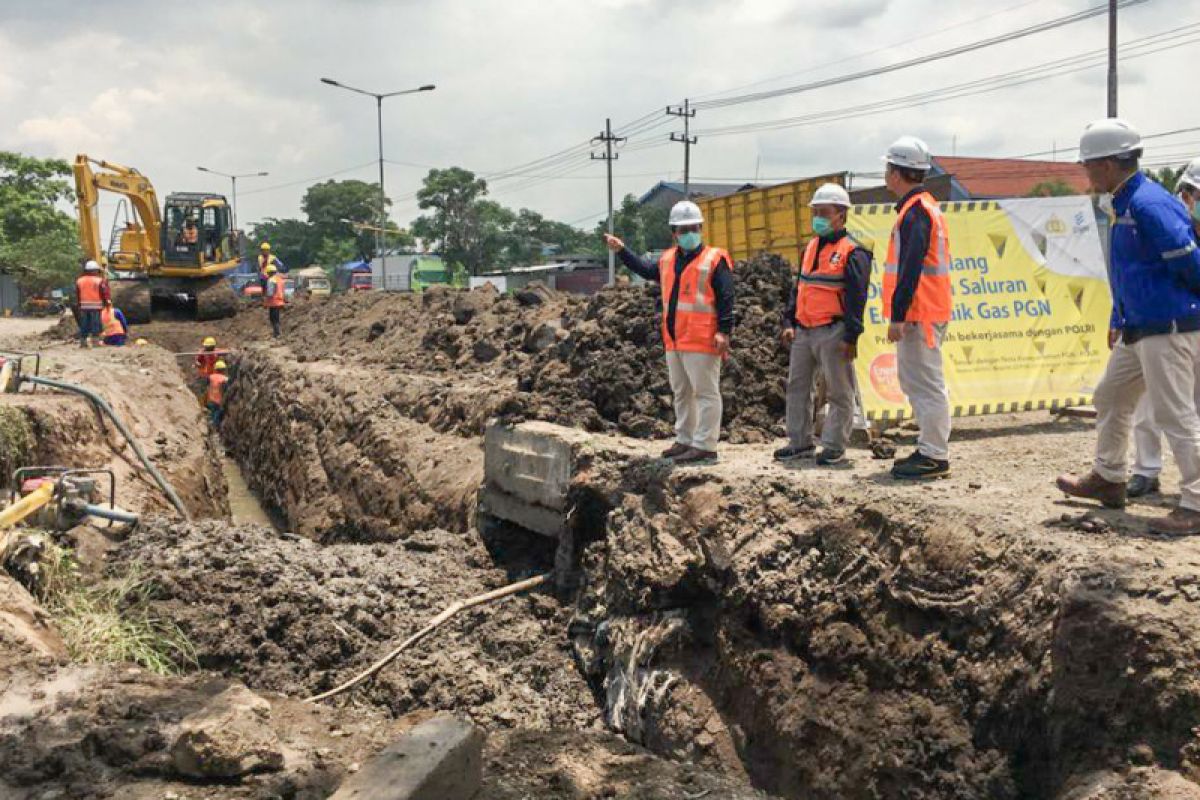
(821, 643)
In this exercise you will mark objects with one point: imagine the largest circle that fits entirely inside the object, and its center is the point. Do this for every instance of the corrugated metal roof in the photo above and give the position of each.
(1008, 177)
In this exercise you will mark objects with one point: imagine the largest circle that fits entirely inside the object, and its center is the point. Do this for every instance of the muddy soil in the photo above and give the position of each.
(594, 363)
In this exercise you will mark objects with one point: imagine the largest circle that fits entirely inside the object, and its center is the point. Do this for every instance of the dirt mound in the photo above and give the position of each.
(289, 615)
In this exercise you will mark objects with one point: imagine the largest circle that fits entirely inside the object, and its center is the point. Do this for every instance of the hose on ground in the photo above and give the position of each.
(103, 405)
(451, 610)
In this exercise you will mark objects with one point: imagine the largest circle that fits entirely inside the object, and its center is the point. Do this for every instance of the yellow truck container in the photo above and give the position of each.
(773, 219)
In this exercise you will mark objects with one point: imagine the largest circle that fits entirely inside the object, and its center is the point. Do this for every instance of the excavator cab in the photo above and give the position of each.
(198, 230)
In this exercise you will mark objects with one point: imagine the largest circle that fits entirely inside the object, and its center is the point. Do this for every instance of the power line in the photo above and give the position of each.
(913, 62)
(686, 113)
(299, 181)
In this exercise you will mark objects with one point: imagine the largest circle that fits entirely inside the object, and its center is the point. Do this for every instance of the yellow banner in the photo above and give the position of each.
(1031, 307)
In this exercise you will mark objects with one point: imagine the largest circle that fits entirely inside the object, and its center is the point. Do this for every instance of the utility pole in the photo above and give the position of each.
(233, 180)
(608, 156)
(1112, 58)
(687, 112)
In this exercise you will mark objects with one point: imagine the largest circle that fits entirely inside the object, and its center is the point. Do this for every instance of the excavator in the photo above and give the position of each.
(176, 255)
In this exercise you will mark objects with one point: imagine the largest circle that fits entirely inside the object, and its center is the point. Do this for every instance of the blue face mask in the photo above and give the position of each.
(689, 241)
(822, 226)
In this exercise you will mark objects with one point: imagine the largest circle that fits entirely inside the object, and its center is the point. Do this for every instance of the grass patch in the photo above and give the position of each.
(112, 622)
(16, 440)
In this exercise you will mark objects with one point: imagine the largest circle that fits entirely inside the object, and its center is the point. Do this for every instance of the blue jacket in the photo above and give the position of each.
(1154, 262)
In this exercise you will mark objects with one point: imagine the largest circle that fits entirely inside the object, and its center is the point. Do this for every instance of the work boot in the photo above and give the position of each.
(675, 450)
(918, 467)
(830, 458)
(1111, 494)
(1180, 522)
(793, 453)
(1141, 485)
(695, 455)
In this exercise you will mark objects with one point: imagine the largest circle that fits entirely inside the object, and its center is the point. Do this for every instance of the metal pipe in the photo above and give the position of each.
(104, 512)
(27, 505)
(103, 405)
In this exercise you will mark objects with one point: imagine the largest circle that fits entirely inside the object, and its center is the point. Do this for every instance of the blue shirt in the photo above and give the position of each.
(1154, 262)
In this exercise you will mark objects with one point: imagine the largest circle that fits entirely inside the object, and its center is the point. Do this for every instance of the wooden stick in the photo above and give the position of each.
(451, 610)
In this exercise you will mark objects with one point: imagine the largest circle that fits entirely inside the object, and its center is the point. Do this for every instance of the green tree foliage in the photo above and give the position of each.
(1167, 176)
(325, 234)
(1054, 188)
(39, 243)
(642, 228)
(466, 227)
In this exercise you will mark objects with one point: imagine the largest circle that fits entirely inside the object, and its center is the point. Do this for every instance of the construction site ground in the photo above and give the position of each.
(740, 629)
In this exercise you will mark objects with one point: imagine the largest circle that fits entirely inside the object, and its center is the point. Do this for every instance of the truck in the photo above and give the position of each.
(353, 276)
(312, 282)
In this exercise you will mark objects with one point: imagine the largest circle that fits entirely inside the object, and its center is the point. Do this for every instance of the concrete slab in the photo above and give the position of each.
(441, 759)
(532, 461)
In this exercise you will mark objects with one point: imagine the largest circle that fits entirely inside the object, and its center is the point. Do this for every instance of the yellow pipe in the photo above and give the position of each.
(27, 505)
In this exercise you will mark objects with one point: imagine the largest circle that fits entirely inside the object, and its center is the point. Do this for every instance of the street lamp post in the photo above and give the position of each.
(233, 180)
(379, 124)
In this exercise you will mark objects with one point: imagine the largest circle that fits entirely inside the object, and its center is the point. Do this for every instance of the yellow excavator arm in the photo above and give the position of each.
(140, 249)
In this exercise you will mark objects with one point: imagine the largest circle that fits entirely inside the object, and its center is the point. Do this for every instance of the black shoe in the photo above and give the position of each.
(1141, 485)
(830, 458)
(790, 453)
(919, 467)
(913, 456)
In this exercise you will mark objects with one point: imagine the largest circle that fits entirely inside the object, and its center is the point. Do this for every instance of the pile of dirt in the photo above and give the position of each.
(594, 363)
(736, 620)
(285, 614)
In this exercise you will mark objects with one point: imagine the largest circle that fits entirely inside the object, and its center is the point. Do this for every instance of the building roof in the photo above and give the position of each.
(1008, 177)
(698, 189)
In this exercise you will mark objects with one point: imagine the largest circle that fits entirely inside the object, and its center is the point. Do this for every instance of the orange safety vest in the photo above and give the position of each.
(275, 297)
(88, 287)
(109, 324)
(932, 302)
(205, 363)
(696, 309)
(216, 388)
(821, 288)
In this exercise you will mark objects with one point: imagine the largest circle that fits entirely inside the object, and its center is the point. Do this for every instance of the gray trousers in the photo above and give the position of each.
(816, 349)
(919, 368)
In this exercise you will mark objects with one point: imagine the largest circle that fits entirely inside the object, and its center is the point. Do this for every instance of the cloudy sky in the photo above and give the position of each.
(166, 86)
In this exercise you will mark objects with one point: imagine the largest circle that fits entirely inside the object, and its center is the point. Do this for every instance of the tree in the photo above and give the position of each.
(1167, 176)
(642, 228)
(1054, 188)
(530, 233)
(292, 240)
(333, 252)
(328, 204)
(38, 240)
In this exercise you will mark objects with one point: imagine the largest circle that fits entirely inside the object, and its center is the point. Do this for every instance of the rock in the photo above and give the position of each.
(542, 337)
(468, 305)
(227, 738)
(535, 294)
(485, 351)
(22, 620)
(441, 759)
(376, 330)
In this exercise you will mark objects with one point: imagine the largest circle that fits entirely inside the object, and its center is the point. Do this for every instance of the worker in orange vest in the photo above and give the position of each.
(265, 259)
(697, 321)
(214, 399)
(917, 301)
(113, 327)
(91, 293)
(821, 326)
(275, 298)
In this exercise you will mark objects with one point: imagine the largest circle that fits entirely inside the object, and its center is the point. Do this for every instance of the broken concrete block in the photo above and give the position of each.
(228, 738)
(441, 759)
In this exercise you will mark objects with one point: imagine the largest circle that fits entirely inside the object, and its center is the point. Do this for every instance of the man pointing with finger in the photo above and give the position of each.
(697, 321)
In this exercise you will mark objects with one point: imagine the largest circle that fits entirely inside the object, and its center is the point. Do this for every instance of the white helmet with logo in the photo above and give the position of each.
(910, 152)
(1191, 175)
(1106, 138)
(685, 212)
(91, 266)
(830, 194)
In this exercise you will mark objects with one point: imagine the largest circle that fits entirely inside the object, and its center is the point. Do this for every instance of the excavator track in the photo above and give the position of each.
(215, 299)
(133, 298)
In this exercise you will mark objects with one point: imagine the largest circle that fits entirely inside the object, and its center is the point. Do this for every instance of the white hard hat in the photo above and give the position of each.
(910, 152)
(685, 212)
(1191, 175)
(1106, 138)
(91, 266)
(830, 194)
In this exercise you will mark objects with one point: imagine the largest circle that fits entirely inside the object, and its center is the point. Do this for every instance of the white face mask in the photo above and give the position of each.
(1106, 204)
